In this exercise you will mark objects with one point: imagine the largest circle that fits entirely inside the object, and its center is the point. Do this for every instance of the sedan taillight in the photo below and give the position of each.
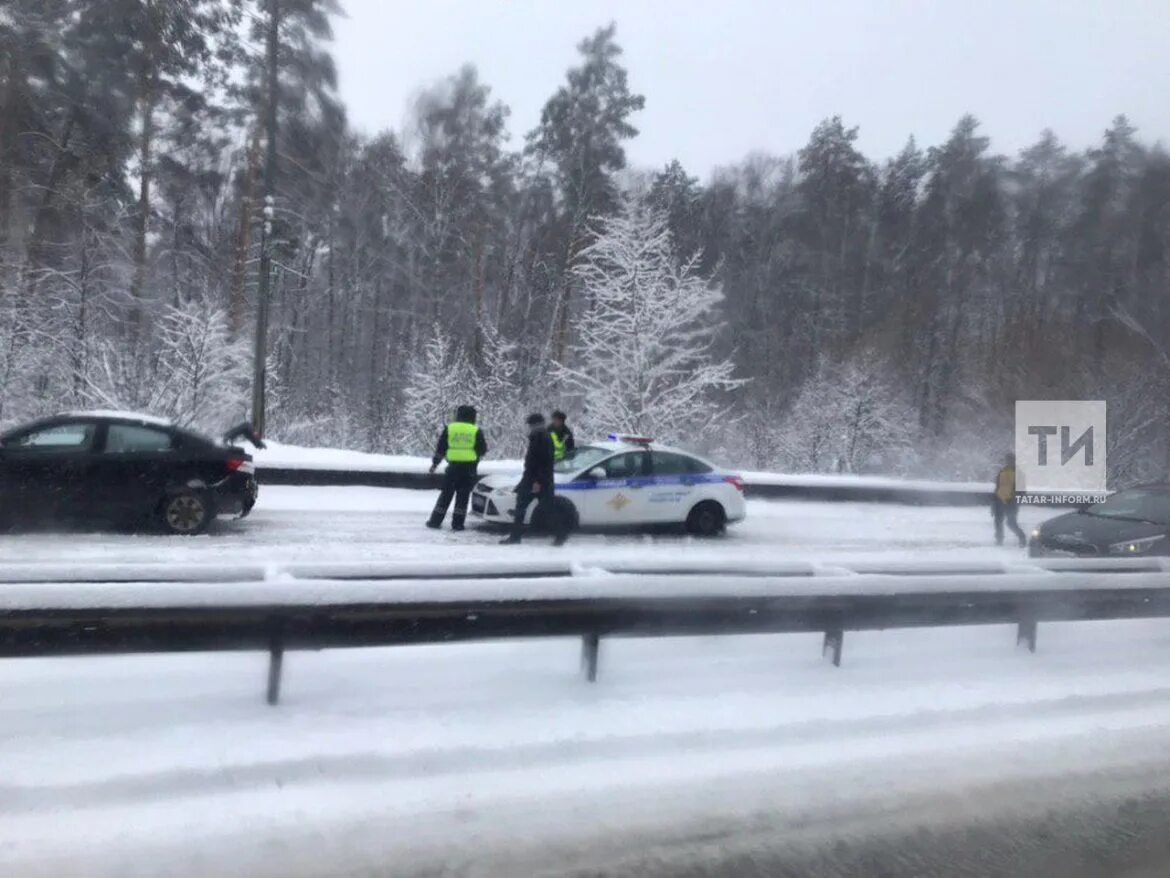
(240, 465)
(737, 481)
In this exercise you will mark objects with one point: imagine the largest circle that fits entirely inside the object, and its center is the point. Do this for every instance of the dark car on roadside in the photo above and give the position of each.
(123, 469)
(1132, 522)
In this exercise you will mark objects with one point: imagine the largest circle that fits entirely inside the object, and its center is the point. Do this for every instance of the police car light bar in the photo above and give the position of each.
(632, 440)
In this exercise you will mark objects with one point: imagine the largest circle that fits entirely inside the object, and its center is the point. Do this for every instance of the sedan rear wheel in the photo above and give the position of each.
(186, 513)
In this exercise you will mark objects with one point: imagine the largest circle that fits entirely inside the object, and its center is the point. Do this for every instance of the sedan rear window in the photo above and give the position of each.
(130, 439)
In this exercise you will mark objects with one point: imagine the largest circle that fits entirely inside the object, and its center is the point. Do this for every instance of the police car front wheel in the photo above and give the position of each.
(706, 519)
(559, 506)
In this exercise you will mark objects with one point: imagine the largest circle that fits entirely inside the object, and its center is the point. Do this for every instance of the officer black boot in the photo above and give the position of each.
(434, 523)
(457, 521)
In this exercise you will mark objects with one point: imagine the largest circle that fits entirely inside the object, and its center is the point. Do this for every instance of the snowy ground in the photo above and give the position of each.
(385, 524)
(496, 759)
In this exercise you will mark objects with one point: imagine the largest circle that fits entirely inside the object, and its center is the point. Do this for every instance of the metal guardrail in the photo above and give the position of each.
(49, 618)
(513, 568)
(773, 489)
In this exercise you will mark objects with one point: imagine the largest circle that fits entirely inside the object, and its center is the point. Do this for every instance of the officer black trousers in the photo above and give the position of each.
(458, 481)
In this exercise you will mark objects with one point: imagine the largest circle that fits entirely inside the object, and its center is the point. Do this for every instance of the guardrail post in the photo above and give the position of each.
(1026, 633)
(834, 641)
(590, 646)
(275, 661)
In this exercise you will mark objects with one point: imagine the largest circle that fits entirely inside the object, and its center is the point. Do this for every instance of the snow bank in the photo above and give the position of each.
(280, 456)
(819, 480)
(309, 592)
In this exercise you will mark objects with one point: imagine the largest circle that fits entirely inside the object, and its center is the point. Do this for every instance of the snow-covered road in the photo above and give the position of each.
(385, 524)
(496, 759)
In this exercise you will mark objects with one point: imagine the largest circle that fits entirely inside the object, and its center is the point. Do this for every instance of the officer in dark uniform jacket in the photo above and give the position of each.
(461, 444)
(537, 485)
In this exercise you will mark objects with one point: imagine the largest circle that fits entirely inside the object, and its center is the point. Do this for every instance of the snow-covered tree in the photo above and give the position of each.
(207, 371)
(197, 373)
(496, 393)
(847, 417)
(644, 360)
(440, 381)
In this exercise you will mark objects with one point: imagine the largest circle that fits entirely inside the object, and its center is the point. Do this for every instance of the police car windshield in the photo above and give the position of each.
(583, 458)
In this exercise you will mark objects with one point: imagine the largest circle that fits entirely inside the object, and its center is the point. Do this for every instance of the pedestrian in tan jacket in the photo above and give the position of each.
(1005, 506)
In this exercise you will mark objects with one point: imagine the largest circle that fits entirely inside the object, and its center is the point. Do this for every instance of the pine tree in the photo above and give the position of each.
(835, 189)
(465, 191)
(582, 128)
(163, 46)
(680, 196)
(961, 223)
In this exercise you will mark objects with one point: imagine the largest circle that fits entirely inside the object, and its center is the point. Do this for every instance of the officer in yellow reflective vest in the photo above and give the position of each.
(562, 437)
(462, 445)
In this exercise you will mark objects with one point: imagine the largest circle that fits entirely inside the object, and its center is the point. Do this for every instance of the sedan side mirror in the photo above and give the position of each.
(596, 473)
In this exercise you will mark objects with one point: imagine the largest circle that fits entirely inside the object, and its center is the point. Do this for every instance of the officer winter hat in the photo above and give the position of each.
(466, 413)
(536, 419)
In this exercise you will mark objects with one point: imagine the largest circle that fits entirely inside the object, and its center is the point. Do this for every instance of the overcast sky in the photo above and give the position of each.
(723, 78)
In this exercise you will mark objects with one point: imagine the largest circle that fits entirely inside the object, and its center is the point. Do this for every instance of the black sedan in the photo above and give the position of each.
(1131, 522)
(121, 468)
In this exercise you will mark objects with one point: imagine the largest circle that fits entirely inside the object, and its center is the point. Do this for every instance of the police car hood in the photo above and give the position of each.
(508, 481)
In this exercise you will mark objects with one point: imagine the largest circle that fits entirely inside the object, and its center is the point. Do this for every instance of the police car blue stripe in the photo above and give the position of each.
(642, 482)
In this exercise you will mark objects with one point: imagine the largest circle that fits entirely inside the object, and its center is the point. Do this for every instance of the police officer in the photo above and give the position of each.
(461, 444)
(537, 485)
(562, 437)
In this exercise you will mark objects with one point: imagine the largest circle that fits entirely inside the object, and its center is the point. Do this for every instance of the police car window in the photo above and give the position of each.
(666, 463)
(130, 439)
(583, 458)
(60, 439)
(624, 466)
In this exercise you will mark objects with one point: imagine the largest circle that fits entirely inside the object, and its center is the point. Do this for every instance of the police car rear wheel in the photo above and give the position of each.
(706, 519)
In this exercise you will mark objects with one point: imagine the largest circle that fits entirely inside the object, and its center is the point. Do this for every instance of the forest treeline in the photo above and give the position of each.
(862, 315)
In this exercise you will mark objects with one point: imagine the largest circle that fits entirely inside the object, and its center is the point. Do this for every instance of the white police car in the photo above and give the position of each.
(628, 482)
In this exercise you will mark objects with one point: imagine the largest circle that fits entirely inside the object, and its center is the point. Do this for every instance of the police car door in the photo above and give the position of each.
(619, 497)
(673, 486)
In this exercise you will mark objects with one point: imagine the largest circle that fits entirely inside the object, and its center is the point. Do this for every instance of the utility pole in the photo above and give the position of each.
(260, 362)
